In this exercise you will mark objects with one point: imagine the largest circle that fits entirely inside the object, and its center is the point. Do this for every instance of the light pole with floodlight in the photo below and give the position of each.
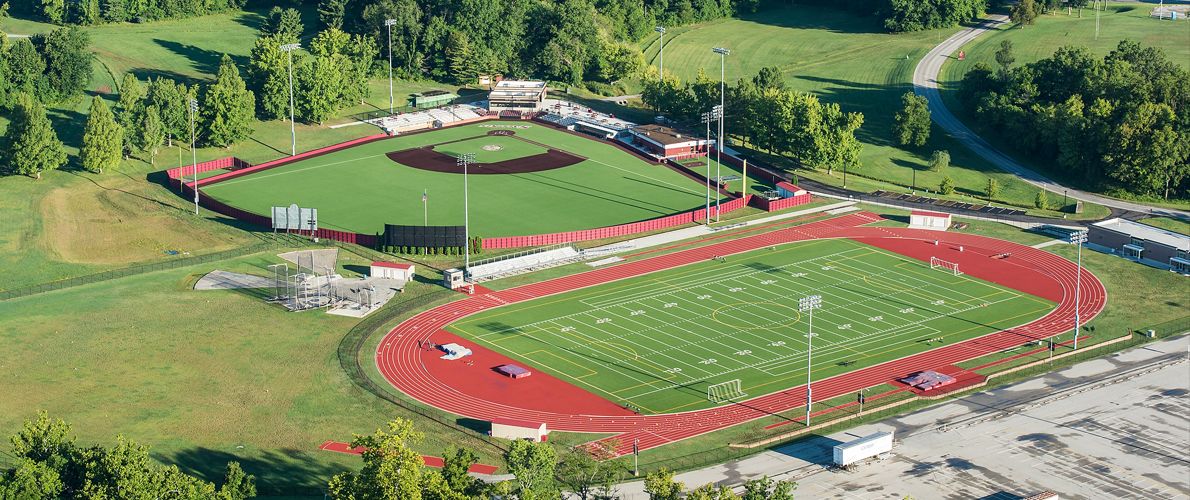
(1078, 238)
(388, 24)
(661, 54)
(193, 153)
(722, 103)
(808, 305)
(463, 160)
(288, 49)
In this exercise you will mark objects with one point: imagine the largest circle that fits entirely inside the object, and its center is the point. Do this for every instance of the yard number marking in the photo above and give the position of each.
(709, 361)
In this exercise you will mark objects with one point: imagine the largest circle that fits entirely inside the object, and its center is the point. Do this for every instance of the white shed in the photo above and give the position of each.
(392, 270)
(511, 428)
(921, 219)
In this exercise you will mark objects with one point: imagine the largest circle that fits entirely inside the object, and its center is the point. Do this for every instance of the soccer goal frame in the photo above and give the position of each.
(953, 267)
(725, 391)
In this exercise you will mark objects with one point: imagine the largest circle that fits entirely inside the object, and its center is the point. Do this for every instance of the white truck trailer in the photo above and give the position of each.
(866, 447)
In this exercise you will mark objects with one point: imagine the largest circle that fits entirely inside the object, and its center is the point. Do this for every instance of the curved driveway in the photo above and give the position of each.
(925, 82)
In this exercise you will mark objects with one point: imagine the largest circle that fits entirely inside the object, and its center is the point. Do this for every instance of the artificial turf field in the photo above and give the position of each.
(656, 342)
(360, 189)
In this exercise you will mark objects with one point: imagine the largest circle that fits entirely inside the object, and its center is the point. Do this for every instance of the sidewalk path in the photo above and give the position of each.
(925, 82)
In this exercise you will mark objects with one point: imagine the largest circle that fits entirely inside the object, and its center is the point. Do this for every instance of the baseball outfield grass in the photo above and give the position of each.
(360, 189)
(657, 342)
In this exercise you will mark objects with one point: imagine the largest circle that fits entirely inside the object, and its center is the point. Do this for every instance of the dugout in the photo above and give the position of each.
(511, 428)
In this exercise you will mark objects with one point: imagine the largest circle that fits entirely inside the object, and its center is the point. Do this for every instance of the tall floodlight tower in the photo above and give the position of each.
(193, 153)
(288, 49)
(388, 24)
(808, 305)
(722, 102)
(1078, 238)
(464, 160)
(661, 54)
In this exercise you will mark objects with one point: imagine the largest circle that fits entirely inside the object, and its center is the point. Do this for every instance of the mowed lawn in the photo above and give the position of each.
(201, 377)
(360, 189)
(658, 341)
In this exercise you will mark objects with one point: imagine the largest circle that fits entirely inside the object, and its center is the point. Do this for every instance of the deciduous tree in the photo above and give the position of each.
(103, 138)
(31, 145)
(227, 107)
(533, 465)
(911, 125)
(391, 470)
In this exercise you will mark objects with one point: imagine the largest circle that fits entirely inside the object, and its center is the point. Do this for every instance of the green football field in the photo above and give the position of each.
(360, 189)
(657, 342)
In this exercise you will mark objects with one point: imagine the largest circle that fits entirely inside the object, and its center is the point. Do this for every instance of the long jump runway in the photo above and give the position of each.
(400, 360)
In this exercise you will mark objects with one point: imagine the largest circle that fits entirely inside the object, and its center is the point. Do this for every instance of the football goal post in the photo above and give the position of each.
(725, 391)
(936, 263)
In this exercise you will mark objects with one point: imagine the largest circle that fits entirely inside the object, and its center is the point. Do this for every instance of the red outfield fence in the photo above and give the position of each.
(240, 168)
(610, 231)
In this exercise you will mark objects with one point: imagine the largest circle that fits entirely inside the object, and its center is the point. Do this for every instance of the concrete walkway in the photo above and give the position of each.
(925, 82)
(1113, 427)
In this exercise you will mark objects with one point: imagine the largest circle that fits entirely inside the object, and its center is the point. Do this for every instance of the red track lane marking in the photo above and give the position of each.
(435, 462)
(1049, 275)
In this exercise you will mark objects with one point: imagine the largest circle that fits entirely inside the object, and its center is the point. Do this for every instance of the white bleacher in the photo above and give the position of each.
(501, 267)
(418, 120)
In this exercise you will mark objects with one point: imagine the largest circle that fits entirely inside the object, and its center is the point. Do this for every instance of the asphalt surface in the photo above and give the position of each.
(1113, 427)
(925, 82)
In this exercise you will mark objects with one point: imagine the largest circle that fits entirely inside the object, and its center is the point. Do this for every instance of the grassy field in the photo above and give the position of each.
(202, 377)
(658, 341)
(359, 189)
(1121, 21)
(849, 60)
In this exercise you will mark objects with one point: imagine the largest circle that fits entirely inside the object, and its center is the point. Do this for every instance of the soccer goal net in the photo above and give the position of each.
(936, 263)
(725, 391)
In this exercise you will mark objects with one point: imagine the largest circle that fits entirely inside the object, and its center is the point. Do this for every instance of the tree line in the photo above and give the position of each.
(49, 464)
(88, 12)
(1117, 123)
(764, 113)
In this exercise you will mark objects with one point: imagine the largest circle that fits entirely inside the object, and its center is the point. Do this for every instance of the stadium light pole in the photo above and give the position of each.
(463, 160)
(288, 49)
(1078, 238)
(707, 118)
(808, 305)
(661, 68)
(722, 103)
(194, 154)
(388, 24)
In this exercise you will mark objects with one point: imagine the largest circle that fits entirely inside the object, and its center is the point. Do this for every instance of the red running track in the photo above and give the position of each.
(407, 368)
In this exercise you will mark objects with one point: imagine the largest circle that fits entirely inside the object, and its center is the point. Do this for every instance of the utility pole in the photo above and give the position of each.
(288, 49)
(808, 305)
(193, 153)
(464, 160)
(661, 55)
(722, 113)
(388, 23)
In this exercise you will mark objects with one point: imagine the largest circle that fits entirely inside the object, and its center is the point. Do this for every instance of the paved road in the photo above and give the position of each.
(1114, 427)
(925, 82)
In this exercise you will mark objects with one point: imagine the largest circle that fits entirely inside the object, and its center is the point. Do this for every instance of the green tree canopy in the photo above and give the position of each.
(31, 146)
(227, 107)
(103, 138)
(911, 125)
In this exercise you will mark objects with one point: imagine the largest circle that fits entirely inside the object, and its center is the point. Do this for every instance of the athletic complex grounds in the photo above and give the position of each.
(632, 349)
(523, 172)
